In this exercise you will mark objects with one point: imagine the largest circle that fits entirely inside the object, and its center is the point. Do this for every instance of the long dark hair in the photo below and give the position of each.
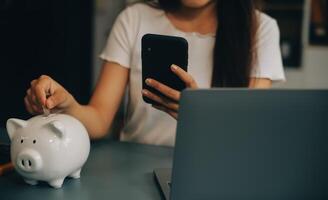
(234, 51)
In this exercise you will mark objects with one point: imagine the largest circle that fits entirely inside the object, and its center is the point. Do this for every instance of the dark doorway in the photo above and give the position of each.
(38, 37)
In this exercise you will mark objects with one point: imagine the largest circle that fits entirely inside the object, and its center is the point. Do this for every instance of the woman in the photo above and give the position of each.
(230, 45)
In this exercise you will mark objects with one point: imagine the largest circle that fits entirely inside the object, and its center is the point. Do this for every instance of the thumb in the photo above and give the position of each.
(56, 99)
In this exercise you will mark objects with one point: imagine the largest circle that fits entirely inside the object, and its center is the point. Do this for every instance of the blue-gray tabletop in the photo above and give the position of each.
(114, 170)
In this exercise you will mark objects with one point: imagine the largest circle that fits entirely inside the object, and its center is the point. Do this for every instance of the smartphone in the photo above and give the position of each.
(158, 53)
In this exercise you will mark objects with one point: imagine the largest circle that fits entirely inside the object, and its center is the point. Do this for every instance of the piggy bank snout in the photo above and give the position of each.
(29, 160)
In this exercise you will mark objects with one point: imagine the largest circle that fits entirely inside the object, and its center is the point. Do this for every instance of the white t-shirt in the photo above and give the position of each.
(144, 124)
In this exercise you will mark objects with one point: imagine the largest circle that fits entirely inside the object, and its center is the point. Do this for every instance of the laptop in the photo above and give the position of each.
(249, 144)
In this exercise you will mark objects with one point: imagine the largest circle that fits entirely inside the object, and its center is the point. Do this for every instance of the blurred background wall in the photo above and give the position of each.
(312, 70)
(106, 12)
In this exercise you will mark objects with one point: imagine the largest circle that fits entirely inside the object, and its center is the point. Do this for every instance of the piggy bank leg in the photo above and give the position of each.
(56, 183)
(31, 182)
(75, 174)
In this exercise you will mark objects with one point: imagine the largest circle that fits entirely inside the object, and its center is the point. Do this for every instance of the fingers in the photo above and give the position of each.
(36, 95)
(41, 87)
(167, 91)
(45, 92)
(170, 112)
(31, 107)
(184, 76)
(56, 99)
(169, 104)
(32, 99)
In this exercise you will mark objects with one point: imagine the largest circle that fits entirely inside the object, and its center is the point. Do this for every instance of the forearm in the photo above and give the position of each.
(260, 83)
(99, 114)
(95, 122)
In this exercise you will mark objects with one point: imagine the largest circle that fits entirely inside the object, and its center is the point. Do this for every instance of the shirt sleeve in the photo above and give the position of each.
(269, 60)
(121, 40)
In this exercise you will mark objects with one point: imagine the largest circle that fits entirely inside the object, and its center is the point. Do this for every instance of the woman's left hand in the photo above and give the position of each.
(169, 103)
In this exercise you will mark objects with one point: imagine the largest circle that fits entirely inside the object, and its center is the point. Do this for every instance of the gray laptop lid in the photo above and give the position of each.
(258, 144)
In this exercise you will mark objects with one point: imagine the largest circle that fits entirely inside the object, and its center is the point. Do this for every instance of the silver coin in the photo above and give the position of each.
(46, 112)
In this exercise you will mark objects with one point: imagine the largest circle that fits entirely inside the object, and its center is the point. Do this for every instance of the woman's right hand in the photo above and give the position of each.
(47, 93)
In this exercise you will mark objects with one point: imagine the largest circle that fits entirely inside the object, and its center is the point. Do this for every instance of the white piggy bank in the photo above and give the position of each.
(48, 148)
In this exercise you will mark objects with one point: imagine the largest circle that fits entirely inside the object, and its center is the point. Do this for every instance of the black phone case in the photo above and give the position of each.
(158, 53)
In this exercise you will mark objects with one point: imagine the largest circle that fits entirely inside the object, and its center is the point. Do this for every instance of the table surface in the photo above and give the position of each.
(114, 170)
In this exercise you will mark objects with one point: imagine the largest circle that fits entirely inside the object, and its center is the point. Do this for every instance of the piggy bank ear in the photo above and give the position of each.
(13, 125)
(58, 129)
